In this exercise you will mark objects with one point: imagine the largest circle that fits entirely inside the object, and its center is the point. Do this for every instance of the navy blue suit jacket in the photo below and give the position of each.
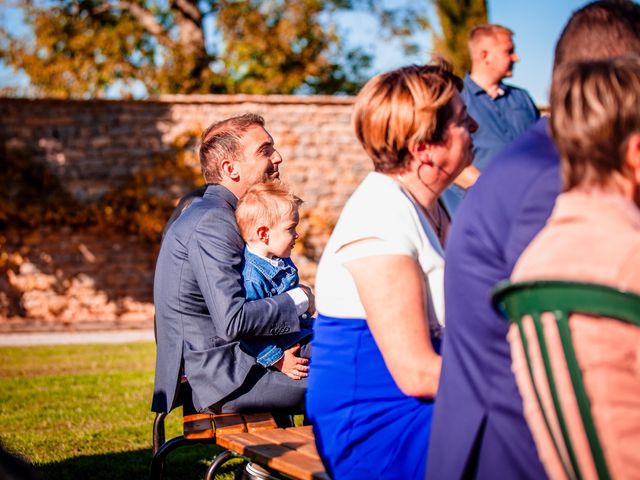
(478, 429)
(201, 312)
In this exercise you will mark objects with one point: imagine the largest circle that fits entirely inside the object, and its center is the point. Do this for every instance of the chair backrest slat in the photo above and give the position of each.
(562, 319)
(560, 448)
(574, 470)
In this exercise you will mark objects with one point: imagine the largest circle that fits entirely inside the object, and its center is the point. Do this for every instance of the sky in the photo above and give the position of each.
(536, 23)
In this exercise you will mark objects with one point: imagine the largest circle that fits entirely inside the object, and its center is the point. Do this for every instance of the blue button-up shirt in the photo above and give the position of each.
(501, 119)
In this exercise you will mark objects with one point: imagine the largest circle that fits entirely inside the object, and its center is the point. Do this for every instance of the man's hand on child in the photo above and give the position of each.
(292, 365)
(312, 299)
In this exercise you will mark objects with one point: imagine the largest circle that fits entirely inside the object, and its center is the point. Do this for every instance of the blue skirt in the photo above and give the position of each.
(364, 426)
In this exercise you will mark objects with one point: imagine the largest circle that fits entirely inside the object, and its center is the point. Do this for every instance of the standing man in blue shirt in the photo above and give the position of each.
(502, 111)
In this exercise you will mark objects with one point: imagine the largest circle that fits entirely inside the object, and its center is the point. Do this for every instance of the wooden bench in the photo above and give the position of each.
(256, 436)
(290, 451)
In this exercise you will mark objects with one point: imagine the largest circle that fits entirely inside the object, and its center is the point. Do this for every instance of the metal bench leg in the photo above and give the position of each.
(158, 431)
(220, 460)
(157, 462)
(158, 440)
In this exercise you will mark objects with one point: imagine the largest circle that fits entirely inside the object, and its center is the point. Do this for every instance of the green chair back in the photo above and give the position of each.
(533, 298)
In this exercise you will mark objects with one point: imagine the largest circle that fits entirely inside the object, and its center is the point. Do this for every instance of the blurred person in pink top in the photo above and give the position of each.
(593, 235)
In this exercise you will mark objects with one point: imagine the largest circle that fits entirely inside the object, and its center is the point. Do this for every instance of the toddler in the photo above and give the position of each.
(267, 216)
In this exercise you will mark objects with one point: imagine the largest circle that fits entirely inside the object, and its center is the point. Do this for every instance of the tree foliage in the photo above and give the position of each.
(81, 48)
(457, 18)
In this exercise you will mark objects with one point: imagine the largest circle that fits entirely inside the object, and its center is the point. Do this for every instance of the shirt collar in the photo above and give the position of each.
(276, 262)
(270, 268)
(476, 89)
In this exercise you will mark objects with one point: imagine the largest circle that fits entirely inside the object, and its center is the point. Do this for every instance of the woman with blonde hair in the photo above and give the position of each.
(380, 280)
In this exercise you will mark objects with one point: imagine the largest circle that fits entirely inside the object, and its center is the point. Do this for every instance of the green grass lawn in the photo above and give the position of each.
(83, 411)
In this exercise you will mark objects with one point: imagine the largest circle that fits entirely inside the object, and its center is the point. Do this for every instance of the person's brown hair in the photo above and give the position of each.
(265, 203)
(596, 108)
(409, 104)
(222, 140)
(485, 30)
(602, 29)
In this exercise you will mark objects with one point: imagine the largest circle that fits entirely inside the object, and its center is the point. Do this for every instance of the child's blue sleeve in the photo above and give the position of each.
(269, 356)
(254, 290)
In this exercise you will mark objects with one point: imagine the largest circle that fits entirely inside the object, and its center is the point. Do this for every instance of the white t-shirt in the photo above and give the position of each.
(379, 208)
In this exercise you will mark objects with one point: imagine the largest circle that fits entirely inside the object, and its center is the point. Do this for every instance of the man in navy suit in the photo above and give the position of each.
(478, 428)
(201, 312)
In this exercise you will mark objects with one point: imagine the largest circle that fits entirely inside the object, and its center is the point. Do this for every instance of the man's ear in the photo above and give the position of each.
(632, 156)
(263, 234)
(229, 169)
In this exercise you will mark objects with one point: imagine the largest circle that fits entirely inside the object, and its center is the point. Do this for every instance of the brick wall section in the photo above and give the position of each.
(90, 279)
(79, 280)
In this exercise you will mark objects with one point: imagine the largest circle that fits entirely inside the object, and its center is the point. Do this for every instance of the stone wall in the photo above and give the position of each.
(96, 277)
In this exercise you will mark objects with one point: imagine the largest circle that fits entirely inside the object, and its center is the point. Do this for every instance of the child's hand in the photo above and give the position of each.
(312, 299)
(293, 366)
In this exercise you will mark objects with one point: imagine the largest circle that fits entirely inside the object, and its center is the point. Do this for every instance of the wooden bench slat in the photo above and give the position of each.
(306, 431)
(257, 422)
(229, 423)
(290, 439)
(278, 457)
(197, 426)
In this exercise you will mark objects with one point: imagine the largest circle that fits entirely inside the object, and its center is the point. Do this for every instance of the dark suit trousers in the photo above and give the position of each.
(267, 390)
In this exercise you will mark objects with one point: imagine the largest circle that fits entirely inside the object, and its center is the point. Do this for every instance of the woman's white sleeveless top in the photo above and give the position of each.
(379, 209)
